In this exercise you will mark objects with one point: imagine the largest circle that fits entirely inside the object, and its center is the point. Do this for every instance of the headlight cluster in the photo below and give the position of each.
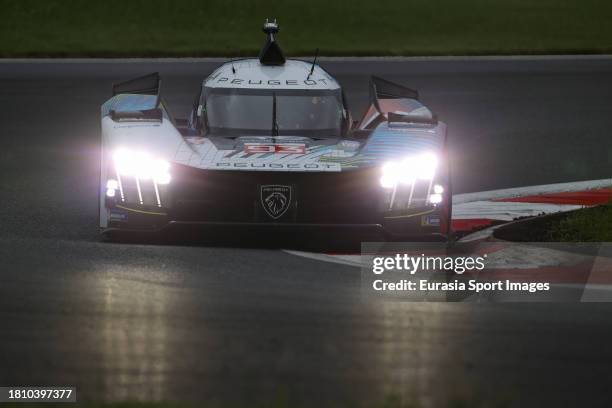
(142, 166)
(111, 187)
(421, 167)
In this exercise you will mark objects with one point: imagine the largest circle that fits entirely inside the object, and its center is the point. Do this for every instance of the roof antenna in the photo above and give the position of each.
(233, 69)
(313, 64)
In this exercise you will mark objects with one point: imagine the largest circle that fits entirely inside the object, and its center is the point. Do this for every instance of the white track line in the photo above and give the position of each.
(506, 211)
(532, 190)
(351, 260)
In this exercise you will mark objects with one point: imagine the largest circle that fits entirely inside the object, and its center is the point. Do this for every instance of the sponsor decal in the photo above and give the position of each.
(270, 82)
(275, 199)
(287, 148)
(118, 216)
(348, 145)
(430, 220)
(259, 165)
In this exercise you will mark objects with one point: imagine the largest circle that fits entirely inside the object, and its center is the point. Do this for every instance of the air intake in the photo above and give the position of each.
(271, 53)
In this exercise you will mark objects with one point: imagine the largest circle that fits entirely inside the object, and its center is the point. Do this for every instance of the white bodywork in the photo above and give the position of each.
(250, 73)
(163, 140)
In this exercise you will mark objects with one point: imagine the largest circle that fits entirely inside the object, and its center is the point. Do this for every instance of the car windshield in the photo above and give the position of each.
(235, 112)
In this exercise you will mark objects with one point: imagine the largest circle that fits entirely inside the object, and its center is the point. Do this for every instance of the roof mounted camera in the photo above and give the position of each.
(271, 53)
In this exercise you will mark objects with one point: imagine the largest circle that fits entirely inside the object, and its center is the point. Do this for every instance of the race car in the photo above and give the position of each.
(270, 144)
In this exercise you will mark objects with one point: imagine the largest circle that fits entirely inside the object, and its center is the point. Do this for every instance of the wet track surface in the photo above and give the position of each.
(244, 322)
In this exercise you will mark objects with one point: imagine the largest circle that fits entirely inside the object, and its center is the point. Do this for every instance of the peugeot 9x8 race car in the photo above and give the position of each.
(270, 143)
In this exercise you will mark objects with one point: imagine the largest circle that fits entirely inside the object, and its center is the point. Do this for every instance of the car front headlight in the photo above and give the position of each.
(142, 166)
(407, 171)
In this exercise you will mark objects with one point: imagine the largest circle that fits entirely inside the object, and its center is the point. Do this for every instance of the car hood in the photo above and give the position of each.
(272, 153)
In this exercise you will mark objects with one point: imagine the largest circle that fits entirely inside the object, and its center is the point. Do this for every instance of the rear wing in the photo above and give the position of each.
(398, 118)
(383, 89)
(147, 85)
(396, 104)
(137, 99)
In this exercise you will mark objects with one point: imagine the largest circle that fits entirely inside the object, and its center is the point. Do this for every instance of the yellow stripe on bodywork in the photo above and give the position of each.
(140, 211)
(410, 215)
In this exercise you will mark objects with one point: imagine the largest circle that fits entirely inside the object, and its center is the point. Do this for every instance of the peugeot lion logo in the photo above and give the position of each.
(275, 199)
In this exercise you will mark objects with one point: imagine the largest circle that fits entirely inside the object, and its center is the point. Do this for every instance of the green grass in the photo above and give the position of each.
(62, 28)
(589, 225)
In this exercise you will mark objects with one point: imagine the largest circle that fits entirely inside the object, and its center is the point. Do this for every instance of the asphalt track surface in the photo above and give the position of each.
(239, 322)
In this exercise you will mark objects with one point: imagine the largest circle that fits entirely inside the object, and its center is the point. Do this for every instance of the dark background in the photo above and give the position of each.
(235, 323)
